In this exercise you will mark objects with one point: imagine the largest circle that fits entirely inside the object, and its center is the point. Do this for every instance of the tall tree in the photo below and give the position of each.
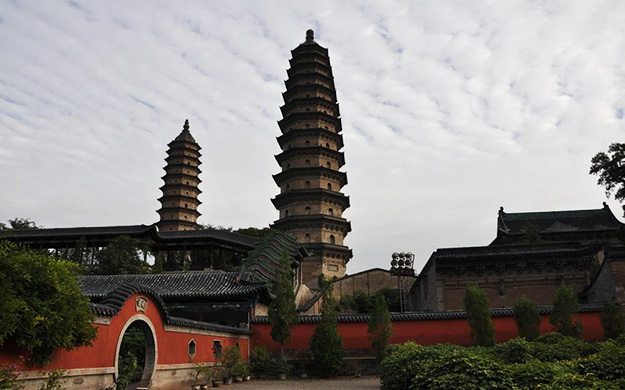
(282, 310)
(326, 343)
(610, 168)
(122, 256)
(41, 306)
(380, 327)
(478, 315)
(565, 307)
(527, 318)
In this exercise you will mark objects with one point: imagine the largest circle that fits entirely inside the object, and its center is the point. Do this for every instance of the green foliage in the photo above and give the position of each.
(612, 320)
(362, 303)
(590, 366)
(380, 327)
(326, 344)
(478, 316)
(230, 358)
(131, 356)
(461, 368)
(19, 224)
(551, 347)
(260, 360)
(255, 232)
(10, 377)
(121, 257)
(42, 307)
(565, 306)
(127, 367)
(517, 350)
(611, 170)
(282, 310)
(53, 380)
(527, 318)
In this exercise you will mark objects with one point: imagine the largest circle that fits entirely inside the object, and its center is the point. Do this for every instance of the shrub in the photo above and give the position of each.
(380, 327)
(260, 360)
(564, 308)
(478, 315)
(230, 358)
(461, 368)
(607, 364)
(527, 318)
(574, 381)
(403, 361)
(552, 347)
(533, 373)
(612, 320)
(10, 377)
(518, 350)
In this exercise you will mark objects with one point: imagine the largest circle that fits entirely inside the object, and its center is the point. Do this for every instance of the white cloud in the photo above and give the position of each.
(450, 109)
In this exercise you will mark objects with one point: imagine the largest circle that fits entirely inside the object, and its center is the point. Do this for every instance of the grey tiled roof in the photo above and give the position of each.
(513, 252)
(116, 298)
(423, 316)
(130, 230)
(223, 235)
(558, 221)
(179, 286)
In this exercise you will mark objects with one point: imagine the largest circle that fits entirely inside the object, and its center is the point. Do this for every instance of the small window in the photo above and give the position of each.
(307, 125)
(328, 165)
(332, 240)
(307, 143)
(327, 145)
(187, 183)
(286, 213)
(307, 184)
(330, 186)
(186, 205)
(307, 210)
(307, 238)
(217, 349)
(330, 211)
(288, 166)
(192, 347)
(307, 163)
(288, 187)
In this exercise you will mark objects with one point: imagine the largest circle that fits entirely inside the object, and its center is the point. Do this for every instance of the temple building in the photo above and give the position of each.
(533, 254)
(310, 202)
(179, 202)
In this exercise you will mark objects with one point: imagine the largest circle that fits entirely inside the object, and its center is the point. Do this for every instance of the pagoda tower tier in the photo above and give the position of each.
(179, 202)
(310, 203)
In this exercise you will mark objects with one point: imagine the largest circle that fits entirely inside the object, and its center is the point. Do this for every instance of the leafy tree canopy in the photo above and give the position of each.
(42, 307)
(527, 318)
(19, 224)
(249, 231)
(380, 327)
(326, 343)
(610, 167)
(565, 306)
(122, 256)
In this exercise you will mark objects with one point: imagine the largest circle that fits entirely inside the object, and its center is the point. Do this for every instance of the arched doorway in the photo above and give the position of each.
(135, 360)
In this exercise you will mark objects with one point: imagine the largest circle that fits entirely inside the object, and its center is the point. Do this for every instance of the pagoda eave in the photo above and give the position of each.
(318, 194)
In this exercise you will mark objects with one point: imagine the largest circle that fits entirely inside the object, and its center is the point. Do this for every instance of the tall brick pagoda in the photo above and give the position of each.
(179, 202)
(310, 202)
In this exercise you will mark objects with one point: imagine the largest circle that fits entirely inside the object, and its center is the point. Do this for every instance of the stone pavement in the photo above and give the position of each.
(341, 383)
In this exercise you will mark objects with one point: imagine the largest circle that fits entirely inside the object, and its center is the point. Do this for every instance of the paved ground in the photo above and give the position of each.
(346, 383)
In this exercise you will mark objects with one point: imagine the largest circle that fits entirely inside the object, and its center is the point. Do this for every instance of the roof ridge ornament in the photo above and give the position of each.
(310, 35)
(186, 125)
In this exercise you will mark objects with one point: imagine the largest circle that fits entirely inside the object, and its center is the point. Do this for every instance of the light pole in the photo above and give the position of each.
(402, 264)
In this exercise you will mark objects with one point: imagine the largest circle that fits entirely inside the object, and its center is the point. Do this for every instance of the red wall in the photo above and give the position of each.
(423, 332)
(172, 346)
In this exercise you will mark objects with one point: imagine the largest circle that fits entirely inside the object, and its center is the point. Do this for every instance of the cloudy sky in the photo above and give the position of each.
(450, 110)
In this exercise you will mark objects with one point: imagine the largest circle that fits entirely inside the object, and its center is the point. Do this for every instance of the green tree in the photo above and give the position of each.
(19, 224)
(565, 306)
(42, 307)
(527, 318)
(121, 256)
(380, 327)
(282, 310)
(478, 315)
(326, 344)
(611, 170)
(612, 320)
(255, 232)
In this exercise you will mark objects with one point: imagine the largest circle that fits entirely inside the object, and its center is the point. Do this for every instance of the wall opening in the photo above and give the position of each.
(136, 356)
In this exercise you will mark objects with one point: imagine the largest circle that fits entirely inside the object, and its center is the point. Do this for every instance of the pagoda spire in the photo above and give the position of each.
(179, 202)
(310, 203)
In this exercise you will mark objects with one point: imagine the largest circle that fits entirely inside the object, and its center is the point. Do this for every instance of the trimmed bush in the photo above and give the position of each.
(518, 350)
(564, 308)
(534, 373)
(612, 320)
(527, 318)
(478, 316)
